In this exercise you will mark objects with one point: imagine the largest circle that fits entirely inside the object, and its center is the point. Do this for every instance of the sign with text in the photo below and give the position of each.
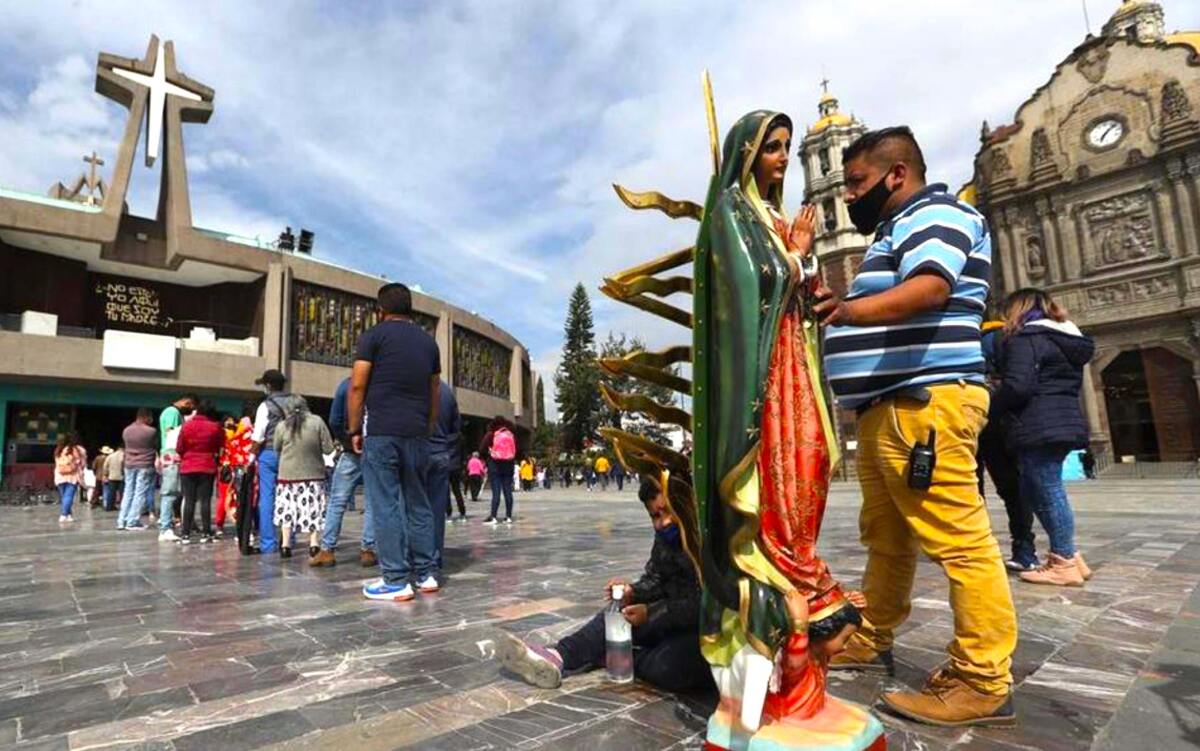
(130, 304)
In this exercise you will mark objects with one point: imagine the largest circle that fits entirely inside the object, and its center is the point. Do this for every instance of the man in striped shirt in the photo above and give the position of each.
(903, 350)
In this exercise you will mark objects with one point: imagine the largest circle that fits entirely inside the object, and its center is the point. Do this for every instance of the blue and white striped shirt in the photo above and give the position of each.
(933, 232)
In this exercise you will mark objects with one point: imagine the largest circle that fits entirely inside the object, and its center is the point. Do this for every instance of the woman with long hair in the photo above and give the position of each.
(1041, 371)
(70, 460)
(302, 440)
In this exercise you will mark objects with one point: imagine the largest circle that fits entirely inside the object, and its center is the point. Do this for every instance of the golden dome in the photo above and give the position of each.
(837, 118)
(968, 194)
(827, 97)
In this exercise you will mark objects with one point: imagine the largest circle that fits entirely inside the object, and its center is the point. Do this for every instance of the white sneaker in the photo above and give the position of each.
(168, 536)
(69, 518)
(62, 518)
(428, 585)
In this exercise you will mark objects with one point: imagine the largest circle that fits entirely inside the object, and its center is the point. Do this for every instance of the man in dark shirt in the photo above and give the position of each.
(395, 382)
(663, 607)
(443, 459)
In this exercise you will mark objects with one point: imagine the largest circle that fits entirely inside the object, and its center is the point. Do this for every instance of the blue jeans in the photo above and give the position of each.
(66, 494)
(347, 476)
(171, 492)
(440, 465)
(396, 474)
(109, 492)
(139, 490)
(500, 475)
(1042, 488)
(268, 471)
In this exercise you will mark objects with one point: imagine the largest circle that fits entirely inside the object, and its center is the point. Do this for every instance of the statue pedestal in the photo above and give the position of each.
(840, 726)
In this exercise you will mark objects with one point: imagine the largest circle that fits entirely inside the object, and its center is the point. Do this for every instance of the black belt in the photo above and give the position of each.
(916, 393)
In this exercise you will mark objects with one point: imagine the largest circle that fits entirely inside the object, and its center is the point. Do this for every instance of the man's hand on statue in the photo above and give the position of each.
(636, 614)
(829, 308)
(803, 230)
(627, 597)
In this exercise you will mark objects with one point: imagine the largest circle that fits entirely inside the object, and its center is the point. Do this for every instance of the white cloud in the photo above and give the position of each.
(469, 146)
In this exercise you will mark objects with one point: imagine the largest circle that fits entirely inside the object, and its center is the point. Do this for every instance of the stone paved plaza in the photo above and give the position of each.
(110, 641)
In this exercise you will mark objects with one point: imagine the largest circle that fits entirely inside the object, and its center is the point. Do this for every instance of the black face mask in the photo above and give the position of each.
(867, 210)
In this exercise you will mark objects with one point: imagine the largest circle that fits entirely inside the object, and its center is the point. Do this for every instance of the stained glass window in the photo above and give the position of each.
(326, 323)
(481, 364)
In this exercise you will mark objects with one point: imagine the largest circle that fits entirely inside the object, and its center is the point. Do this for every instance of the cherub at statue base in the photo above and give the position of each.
(839, 726)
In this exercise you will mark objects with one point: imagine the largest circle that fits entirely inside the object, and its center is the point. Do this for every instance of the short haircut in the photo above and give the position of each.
(145, 414)
(190, 396)
(649, 490)
(895, 144)
(394, 298)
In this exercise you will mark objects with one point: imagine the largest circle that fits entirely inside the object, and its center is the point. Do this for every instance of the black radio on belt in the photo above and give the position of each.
(921, 461)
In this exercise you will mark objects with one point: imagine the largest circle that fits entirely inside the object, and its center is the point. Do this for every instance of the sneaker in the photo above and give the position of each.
(1012, 564)
(508, 520)
(168, 535)
(860, 657)
(135, 526)
(70, 518)
(120, 527)
(493, 521)
(538, 666)
(367, 558)
(948, 700)
(1084, 570)
(323, 558)
(219, 534)
(207, 539)
(378, 589)
(428, 585)
(1058, 571)
(62, 518)
(185, 541)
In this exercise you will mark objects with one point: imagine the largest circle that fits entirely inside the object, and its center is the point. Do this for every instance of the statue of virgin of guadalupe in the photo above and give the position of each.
(751, 501)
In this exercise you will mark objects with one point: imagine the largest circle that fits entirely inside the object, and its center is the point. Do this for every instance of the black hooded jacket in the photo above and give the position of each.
(1041, 369)
(670, 590)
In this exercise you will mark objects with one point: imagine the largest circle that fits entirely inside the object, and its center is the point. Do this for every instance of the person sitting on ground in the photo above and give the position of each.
(663, 606)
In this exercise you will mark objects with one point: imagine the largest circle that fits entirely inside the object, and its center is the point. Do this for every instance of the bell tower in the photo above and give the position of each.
(1140, 20)
(839, 246)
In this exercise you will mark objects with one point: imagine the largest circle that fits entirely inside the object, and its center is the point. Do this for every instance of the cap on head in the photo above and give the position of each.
(272, 378)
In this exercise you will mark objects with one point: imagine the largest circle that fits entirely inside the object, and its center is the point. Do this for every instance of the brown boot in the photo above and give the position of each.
(948, 700)
(858, 656)
(1056, 570)
(367, 559)
(1084, 570)
(323, 558)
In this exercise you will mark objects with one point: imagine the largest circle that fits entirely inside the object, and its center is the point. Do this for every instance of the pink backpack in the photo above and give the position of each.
(504, 445)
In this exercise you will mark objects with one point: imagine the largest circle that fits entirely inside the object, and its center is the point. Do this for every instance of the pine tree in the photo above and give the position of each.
(615, 347)
(540, 400)
(577, 378)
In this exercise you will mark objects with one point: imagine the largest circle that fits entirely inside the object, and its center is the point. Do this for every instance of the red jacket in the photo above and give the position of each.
(200, 440)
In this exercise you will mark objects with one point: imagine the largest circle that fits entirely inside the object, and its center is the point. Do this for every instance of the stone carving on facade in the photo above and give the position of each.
(1120, 229)
(1001, 166)
(1109, 294)
(1175, 104)
(1035, 256)
(1093, 63)
(1039, 148)
(1149, 288)
(481, 364)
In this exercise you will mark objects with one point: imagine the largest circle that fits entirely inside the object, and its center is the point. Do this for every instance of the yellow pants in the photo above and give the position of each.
(948, 522)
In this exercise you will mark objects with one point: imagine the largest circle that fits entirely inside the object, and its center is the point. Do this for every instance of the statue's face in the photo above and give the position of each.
(836, 645)
(772, 162)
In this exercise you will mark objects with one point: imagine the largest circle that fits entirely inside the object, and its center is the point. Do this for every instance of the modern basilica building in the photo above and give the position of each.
(103, 312)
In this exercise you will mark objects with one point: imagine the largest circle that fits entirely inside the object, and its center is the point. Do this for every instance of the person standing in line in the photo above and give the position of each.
(475, 472)
(347, 478)
(200, 442)
(114, 478)
(393, 408)
(70, 460)
(903, 350)
(97, 494)
(443, 457)
(170, 421)
(141, 450)
(274, 409)
(301, 441)
(1041, 377)
(500, 445)
(235, 457)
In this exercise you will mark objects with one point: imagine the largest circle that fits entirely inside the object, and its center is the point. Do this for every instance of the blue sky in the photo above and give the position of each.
(469, 147)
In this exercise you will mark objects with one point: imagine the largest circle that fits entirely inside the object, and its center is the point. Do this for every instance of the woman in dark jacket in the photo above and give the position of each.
(1041, 376)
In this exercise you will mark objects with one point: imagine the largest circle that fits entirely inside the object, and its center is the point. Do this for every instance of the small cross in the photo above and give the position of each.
(95, 162)
(825, 85)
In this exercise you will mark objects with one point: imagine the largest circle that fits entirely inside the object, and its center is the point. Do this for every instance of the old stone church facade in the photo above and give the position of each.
(1093, 193)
